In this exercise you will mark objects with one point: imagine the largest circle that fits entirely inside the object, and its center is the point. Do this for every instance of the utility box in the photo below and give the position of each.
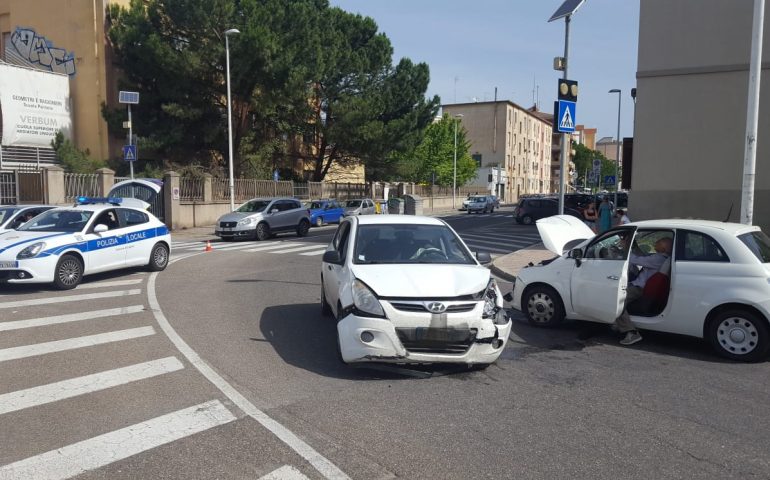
(413, 205)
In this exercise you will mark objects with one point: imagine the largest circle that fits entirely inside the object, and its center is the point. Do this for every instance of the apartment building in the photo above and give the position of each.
(504, 134)
(692, 84)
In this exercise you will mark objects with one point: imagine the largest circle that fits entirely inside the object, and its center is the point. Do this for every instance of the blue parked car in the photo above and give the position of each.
(325, 211)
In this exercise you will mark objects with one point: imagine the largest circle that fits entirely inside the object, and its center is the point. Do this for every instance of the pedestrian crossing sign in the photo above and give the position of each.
(566, 117)
(129, 153)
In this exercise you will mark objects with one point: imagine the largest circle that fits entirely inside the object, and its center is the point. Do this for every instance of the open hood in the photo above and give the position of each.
(423, 280)
(559, 230)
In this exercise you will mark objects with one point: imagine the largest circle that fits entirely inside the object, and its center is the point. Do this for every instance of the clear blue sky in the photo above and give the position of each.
(508, 44)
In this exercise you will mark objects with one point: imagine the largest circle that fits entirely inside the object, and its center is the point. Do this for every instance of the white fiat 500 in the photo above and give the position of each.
(716, 284)
(406, 289)
(62, 245)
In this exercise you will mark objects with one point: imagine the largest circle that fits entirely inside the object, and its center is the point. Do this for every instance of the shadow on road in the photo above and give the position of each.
(30, 288)
(305, 339)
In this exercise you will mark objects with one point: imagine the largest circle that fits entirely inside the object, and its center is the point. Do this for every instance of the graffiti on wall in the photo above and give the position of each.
(36, 51)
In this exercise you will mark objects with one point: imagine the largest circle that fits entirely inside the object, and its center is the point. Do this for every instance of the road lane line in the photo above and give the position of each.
(324, 466)
(116, 283)
(274, 247)
(286, 472)
(72, 317)
(319, 252)
(53, 392)
(96, 452)
(15, 353)
(298, 249)
(70, 298)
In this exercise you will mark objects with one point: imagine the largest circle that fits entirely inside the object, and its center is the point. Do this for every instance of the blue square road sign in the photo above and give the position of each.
(566, 117)
(129, 153)
(609, 179)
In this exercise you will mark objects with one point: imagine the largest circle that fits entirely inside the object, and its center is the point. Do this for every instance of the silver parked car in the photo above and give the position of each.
(259, 218)
(359, 206)
(480, 203)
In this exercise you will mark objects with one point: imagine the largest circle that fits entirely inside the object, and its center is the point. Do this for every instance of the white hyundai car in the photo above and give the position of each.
(716, 284)
(406, 289)
(62, 245)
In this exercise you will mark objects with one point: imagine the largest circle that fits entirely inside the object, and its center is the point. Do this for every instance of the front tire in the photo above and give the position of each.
(68, 273)
(303, 228)
(739, 334)
(526, 220)
(262, 232)
(543, 306)
(319, 222)
(158, 258)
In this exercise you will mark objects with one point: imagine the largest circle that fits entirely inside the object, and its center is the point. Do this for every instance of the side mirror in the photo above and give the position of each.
(275, 210)
(484, 257)
(101, 228)
(577, 255)
(332, 256)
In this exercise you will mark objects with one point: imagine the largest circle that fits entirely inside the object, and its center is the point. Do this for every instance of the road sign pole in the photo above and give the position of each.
(130, 142)
(564, 136)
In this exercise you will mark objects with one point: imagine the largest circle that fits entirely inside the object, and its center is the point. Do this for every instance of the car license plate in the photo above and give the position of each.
(9, 264)
(435, 334)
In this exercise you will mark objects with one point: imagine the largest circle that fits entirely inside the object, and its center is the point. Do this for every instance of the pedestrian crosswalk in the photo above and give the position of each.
(81, 346)
(496, 240)
(277, 247)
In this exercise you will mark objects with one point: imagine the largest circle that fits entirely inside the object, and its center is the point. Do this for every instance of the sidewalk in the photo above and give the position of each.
(507, 266)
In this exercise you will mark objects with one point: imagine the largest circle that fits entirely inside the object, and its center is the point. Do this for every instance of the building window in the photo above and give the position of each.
(477, 158)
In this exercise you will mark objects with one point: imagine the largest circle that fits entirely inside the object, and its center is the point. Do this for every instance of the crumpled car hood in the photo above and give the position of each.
(558, 230)
(423, 281)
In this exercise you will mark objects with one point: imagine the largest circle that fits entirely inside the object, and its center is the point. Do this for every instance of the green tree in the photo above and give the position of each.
(583, 160)
(435, 155)
(72, 159)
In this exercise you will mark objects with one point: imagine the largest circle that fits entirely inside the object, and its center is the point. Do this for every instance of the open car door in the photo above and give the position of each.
(598, 285)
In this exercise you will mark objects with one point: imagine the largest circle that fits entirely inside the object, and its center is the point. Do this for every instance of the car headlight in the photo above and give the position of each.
(247, 221)
(365, 300)
(31, 251)
(490, 300)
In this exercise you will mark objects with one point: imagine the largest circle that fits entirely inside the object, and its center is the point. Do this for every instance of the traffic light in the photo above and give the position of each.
(568, 90)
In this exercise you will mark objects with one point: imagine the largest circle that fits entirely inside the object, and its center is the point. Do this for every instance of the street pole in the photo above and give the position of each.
(565, 146)
(454, 164)
(617, 149)
(130, 142)
(752, 115)
(230, 118)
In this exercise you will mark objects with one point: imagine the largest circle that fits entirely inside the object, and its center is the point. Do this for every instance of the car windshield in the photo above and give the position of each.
(316, 205)
(6, 213)
(353, 203)
(405, 244)
(253, 206)
(758, 243)
(478, 199)
(69, 221)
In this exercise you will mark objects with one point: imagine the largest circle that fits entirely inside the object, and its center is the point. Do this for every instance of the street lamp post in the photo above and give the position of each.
(617, 149)
(454, 171)
(232, 31)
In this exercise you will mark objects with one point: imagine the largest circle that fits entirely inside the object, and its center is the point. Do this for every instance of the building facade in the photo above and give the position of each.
(67, 38)
(690, 126)
(503, 134)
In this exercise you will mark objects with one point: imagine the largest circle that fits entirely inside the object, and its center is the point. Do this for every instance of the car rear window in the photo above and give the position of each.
(758, 243)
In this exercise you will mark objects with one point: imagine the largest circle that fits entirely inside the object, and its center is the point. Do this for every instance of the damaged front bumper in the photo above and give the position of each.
(420, 337)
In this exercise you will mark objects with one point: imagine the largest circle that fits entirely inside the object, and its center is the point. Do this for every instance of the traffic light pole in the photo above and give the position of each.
(564, 136)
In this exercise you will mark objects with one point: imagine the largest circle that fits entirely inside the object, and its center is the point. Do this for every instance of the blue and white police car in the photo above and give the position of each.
(63, 244)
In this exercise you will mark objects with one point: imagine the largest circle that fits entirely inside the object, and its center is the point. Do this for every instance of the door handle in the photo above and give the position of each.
(329, 267)
(613, 277)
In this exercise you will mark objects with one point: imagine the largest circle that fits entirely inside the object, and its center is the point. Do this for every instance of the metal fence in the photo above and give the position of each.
(308, 190)
(446, 191)
(248, 188)
(121, 179)
(8, 195)
(81, 184)
(191, 189)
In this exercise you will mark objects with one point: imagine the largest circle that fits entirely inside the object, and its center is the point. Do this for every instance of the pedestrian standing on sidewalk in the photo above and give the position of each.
(605, 215)
(590, 217)
(622, 217)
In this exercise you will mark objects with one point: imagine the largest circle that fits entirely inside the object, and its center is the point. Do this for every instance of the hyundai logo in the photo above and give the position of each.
(436, 307)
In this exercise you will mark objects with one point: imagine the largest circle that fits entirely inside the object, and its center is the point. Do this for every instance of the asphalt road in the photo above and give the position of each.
(257, 377)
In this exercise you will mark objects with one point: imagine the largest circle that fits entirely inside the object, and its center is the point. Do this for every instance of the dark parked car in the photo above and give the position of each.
(530, 210)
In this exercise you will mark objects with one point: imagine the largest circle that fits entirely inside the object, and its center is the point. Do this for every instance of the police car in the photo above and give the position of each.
(63, 244)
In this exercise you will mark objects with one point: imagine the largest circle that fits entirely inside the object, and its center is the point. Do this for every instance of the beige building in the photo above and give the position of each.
(609, 148)
(505, 134)
(68, 38)
(692, 83)
(585, 136)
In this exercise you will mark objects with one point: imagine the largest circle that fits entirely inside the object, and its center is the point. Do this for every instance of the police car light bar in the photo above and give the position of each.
(96, 200)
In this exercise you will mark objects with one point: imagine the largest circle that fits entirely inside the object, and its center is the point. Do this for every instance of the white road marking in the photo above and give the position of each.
(298, 249)
(236, 246)
(284, 473)
(274, 247)
(53, 392)
(72, 317)
(15, 353)
(187, 244)
(70, 298)
(319, 252)
(96, 452)
(116, 283)
(324, 466)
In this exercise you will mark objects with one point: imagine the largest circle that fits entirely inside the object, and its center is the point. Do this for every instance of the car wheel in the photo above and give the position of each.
(158, 258)
(526, 220)
(303, 228)
(542, 306)
(68, 273)
(739, 334)
(319, 222)
(262, 232)
(326, 310)
(492, 210)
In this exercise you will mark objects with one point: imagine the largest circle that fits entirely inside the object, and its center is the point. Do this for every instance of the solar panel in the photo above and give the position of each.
(567, 8)
(128, 97)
